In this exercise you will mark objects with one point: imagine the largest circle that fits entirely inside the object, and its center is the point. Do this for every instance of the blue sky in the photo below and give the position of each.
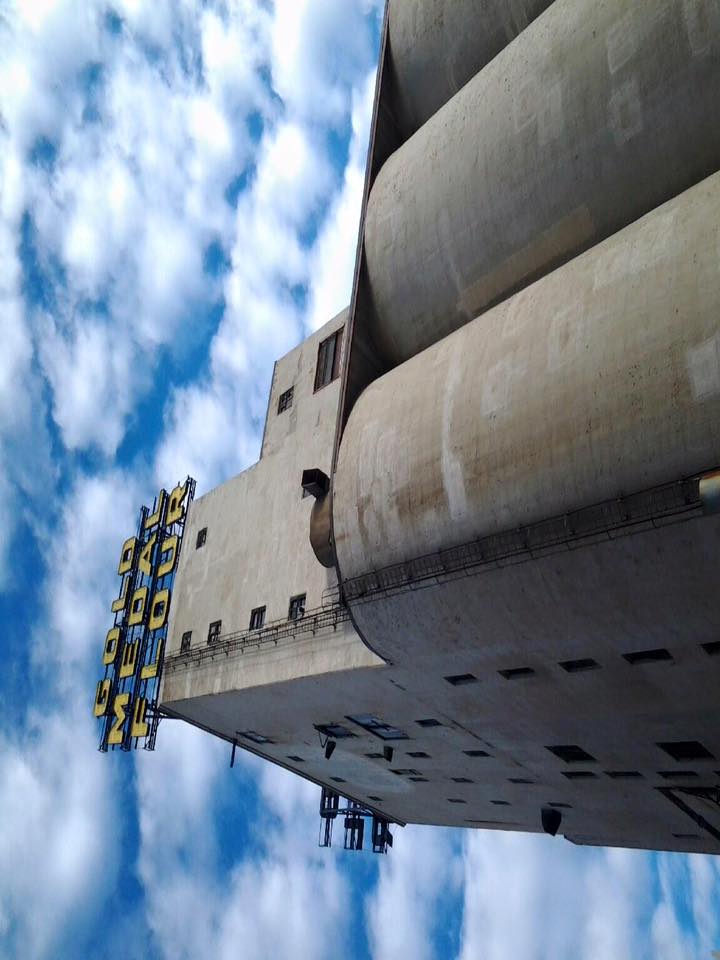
(179, 195)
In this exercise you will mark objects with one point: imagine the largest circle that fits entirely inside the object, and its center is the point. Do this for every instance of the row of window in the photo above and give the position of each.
(296, 611)
(326, 370)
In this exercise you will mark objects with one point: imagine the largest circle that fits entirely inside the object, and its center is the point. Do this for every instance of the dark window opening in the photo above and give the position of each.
(712, 649)
(378, 727)
(648, 656)
(561, 806)
(578, 666)
(335, 730)
(338, 780)
(624, 774)
(686, 750)
(328, 361)
(296, 759)
(428, 722)
(296, 610)
(456, 800)
(201, 538)
(579, 774)
(214, 631)
(519, 780)
(286, 400)
(677, 774)
(419, 779)
(254, 736)
(257, 618)
(185, 641)
(571, 753)
(461, 780)
(501, 803)
(459, 679)
(375, 756)
(138, 605)
(516, 673)
(420, 754)
(376, 799)
(476, 753)
(686, 836)
(406, 772)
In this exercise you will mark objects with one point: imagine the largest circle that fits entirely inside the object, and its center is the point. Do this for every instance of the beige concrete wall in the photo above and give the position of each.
(257, 552)
(599, 380)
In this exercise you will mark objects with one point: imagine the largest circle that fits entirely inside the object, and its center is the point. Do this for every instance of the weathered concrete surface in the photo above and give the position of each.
(598, 112)
(436, 46)
(600, 379)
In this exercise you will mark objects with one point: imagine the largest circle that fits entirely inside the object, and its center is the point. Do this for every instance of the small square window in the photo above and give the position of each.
(571, 753)
(516, 673)
(286, 400)
(428, 722)
(501, 803)
(712, 649)
(296, 610)
(456, 800)
(579, 774)
(185, 641)
(328, 361)
(648, 656)
(476, 753)
(257, 618)
(686, 750)
(461, 780)
(214, 631)
(624, 774)
(201, 538)
(579, 666)
(520, 780)
(460, 679)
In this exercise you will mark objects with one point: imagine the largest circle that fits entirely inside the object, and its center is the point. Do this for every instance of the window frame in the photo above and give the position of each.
(261, 611)
(201, 538)
(298, 597)
(286, 399)
(185, 641)
(323, 376)
(213, 635)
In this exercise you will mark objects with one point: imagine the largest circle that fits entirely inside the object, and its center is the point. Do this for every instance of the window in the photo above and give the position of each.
(257, 618)
(185, 642)
(712, 649)
(378, 727)
(214, 631)
(578, 666)
(419, 754)
(459, 679)
(419, 779)
(296, 759)
(428, 722)
(501, 803)
(686, 750)
(516, 673)
(571, 753)
(677, 774)
(375, 756)
(456, 800)
(286, 400)
(647, 656)
(624, 774)
(296, 610)
(476, 753)
(201, 538)
(335, 730)
(338, 780)
(461, 780)
(406, 772)
(520, 780)
(579, 774)
(328, 362)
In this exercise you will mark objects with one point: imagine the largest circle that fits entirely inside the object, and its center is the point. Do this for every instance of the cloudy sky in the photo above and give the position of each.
(179, 194)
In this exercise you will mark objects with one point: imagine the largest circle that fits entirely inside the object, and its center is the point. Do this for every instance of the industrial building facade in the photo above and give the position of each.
(472, 579)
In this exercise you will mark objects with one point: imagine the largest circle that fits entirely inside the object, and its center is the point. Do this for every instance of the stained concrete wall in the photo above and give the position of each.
(599, 111)
(600, 379)
(436, 46)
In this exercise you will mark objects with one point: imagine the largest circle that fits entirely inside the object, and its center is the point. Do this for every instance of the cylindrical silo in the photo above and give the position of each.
(599, 111)
(436, 46)
(598, 380)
